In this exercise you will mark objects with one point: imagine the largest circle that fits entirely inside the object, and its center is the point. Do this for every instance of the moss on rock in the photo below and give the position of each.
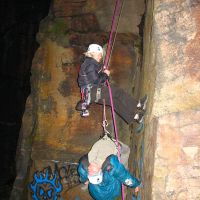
(55, 29)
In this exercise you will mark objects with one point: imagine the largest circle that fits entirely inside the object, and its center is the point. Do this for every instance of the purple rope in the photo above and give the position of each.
(108, 53)
(113, 29)
(115, 128)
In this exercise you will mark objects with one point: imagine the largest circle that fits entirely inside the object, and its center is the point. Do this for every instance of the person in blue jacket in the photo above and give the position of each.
(104, 173)
(106, 182)
(91, 80)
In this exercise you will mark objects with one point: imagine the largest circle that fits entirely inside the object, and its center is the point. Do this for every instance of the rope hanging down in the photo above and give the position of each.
(115, 21)
(113, 32)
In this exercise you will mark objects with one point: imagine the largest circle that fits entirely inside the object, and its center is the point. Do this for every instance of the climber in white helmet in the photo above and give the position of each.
(91, 80)
(103, 173)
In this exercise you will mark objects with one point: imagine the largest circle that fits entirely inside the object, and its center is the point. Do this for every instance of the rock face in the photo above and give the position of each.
(60, 135)
(171, 77)
(167, 157)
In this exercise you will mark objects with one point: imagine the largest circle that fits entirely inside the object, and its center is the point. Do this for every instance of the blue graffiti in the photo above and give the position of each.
(46, 186)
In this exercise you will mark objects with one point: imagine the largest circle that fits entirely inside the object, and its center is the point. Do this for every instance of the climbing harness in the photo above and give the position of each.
(98, 94)
(107, 134)
(86, 99)
(122, 150)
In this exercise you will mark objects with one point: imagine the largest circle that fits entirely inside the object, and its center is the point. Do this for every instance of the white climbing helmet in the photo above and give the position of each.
(95, 48)
(96, 179)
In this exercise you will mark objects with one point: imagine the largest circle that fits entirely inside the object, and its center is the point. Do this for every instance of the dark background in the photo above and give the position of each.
(19, 24)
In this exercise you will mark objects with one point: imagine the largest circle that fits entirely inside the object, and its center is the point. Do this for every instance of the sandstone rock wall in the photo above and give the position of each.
(171, 77)
(60, 135)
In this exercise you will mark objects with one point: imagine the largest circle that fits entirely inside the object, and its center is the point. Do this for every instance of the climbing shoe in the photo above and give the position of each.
(85, 113)
(142, 103)
(139, 117)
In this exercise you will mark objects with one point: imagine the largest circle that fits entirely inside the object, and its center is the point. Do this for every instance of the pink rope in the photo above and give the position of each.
(113, 30)
(115, 128)
(108, 53)
(114, 119)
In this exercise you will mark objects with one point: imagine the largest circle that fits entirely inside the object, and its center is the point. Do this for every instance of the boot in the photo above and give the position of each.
(142, 103)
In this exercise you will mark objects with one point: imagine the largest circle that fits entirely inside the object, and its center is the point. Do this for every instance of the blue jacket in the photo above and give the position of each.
(114, 175)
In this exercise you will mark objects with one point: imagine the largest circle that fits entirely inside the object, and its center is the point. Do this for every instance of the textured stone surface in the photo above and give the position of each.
(77, 193)
(57, 93)
(178, 161)
(171, 76)
(177, 165)
(175, 34)
(58, 96)
(66, 8)
(131, 10)
(103, 11)
(60, 130)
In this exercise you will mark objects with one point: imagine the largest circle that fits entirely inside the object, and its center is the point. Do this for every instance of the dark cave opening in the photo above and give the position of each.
(19, 25)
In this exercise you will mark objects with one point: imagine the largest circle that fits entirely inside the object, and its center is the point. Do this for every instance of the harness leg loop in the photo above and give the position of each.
(86, 98)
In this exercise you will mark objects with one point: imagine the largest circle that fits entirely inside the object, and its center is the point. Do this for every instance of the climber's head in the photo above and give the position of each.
(95, 174)
(95, 51)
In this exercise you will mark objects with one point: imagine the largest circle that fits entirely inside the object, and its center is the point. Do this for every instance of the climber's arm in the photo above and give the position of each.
(83, 173)
(123, 175)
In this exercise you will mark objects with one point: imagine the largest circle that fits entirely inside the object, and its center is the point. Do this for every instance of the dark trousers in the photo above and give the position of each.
(124, 104)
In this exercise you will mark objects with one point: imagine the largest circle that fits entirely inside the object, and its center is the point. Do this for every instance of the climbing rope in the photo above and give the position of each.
(105, 122)
(114, 26)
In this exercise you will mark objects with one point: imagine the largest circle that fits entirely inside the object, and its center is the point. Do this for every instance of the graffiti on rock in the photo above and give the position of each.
(48, 183)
